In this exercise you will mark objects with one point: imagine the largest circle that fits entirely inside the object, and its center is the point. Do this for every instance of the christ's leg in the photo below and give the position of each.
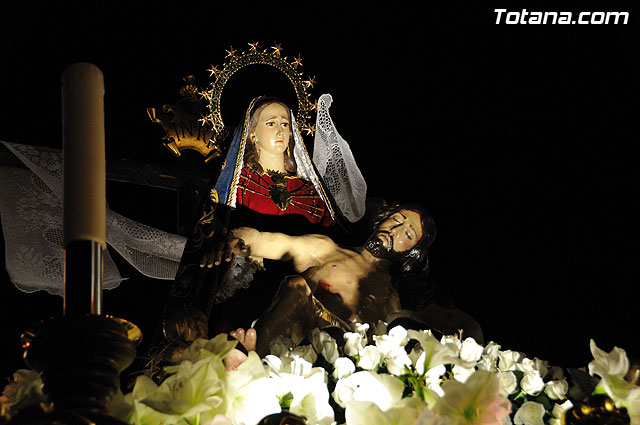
(290, 314)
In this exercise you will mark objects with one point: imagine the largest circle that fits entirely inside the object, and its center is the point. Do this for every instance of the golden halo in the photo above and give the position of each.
(256, 57)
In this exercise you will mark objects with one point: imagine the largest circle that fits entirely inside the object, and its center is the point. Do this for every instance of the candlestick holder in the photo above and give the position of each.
(80, 358)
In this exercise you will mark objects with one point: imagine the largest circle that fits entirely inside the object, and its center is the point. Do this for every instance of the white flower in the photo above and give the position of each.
(556, 390)
(427, 417)
(530, 413)
(433, 381)
(508, 383)
(487, 364)
(558, 412)
(299, 366)
(461, 374)
(612, 368)
(508, 359)
(304, 351)
(252, 402)
(343, 367)
(453, 342)
(475, 402)
(250, 395)
(219, 420)
(294, 365)
(370, 357)
(311, 399)
(471, 351)
(368, 413)
(532, 382)
(399, 334)
(280, 346)
(273, 362)
(397, 337)
(526, 365)
(418, 357)
(434, 352)
(382, 389)
(218, 346)
(491, 351)
(129, 407)
(354, 342)
(330, 351)
(285, 383)
(606, 364)
(194, 388)
(324, 344)
(343, 392)
(385, 344)
(398, 361)
(362, 328)
(623, 394)
(541, 366)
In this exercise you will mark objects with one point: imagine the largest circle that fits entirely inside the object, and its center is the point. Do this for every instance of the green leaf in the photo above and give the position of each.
(285, 400)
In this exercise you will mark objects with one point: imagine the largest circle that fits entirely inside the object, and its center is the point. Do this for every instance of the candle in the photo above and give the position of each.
(84, 214)
(83, 154)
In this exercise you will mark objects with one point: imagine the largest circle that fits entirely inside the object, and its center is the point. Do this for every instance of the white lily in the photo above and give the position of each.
(612, 368)
(311, 399)
(435, 353)
(475, 402)
(368, 413)
(382, 389)
(249, 394)
(195, 389)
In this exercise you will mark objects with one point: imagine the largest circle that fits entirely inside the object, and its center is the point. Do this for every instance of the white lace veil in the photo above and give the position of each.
(335, 163)
(31, 212)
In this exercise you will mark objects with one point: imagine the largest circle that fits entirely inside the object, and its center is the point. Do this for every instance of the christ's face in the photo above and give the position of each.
(273, 129)
(400, 232)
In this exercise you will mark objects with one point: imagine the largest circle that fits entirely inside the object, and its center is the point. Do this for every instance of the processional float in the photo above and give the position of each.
(81, 354)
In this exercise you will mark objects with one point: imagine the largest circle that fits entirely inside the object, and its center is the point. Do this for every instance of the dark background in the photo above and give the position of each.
(518, 140)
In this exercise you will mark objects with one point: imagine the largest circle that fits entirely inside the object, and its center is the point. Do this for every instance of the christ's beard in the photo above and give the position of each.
(376, 248)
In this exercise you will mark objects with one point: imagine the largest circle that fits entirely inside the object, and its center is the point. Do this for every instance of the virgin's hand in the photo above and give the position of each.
(226, 250)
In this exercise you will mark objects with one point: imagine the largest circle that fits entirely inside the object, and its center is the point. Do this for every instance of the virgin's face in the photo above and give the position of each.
(273, 130)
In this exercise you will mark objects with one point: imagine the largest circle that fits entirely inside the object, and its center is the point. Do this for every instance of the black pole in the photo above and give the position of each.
(83, 264)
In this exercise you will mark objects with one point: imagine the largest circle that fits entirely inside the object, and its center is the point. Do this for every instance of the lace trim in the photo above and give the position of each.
(31, 209)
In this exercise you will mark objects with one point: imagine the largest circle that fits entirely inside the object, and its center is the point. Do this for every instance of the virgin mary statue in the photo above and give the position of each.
(268, 171)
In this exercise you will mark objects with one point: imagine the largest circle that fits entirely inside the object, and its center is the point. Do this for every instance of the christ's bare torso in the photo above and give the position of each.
(352, 287)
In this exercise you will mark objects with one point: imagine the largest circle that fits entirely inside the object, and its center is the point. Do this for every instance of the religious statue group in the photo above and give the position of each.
(274, 243)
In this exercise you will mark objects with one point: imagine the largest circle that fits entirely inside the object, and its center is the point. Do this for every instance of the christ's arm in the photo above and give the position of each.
(305, 251)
